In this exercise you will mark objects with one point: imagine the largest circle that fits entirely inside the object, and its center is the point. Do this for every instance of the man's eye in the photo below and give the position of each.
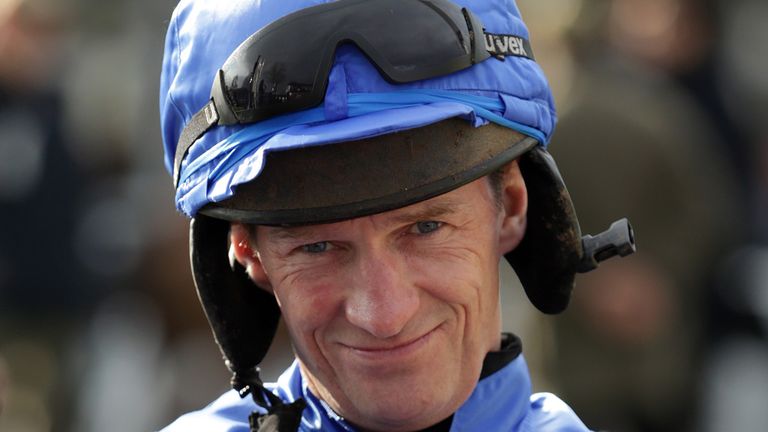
(314, 248)
(426, 227)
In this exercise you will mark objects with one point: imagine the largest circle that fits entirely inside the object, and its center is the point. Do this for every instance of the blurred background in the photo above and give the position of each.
(663, 107)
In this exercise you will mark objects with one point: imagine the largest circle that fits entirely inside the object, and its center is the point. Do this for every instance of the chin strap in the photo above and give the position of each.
(280, 416)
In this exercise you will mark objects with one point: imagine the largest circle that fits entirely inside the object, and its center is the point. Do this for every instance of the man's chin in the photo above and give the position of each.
(409, 388)
(400, 416)
(403, 404)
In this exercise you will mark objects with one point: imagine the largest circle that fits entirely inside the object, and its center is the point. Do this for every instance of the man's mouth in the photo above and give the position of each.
(393, 349)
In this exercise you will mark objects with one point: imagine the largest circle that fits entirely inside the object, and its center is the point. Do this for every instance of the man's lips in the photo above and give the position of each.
(391, 349)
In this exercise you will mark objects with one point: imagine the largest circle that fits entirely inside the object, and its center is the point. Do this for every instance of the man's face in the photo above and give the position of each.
(391, 315)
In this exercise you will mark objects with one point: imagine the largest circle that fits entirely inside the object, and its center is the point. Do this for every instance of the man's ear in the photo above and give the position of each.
(514, 207)
(241, 249)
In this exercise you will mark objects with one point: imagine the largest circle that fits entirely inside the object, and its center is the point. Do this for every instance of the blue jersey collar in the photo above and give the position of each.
(504, 378)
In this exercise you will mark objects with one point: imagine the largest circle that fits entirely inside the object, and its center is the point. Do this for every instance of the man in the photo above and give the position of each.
(368, 164)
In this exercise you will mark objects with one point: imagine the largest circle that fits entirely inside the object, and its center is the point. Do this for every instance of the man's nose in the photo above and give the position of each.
(382, 298)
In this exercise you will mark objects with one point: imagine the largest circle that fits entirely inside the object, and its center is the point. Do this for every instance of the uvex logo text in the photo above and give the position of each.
(504, 45)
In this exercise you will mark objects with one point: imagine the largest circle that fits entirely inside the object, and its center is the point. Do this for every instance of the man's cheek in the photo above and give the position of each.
(448, 282)
(306, 315)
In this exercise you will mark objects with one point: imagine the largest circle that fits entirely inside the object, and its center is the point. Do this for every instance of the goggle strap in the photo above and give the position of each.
(203, 120)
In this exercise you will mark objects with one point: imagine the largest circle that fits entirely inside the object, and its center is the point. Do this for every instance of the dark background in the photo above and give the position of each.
(662, 107)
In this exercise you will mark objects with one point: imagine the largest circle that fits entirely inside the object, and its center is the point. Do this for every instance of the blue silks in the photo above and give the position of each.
(501, 402)
(239, 158)
(359, 103)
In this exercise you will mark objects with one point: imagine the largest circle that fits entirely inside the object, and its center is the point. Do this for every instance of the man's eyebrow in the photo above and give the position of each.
(428, 211)
(288, 232)
(420, 212)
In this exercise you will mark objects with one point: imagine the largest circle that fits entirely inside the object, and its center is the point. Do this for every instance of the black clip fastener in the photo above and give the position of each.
(619, 239)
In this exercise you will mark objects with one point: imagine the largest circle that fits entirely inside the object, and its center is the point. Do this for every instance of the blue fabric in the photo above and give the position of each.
(240, 157)
(359, 102)
(501, 402)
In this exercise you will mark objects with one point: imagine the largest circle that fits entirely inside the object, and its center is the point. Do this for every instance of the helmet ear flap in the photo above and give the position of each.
(547, 259)
(243, 317)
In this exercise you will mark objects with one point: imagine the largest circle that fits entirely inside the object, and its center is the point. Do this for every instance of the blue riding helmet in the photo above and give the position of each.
(359, 102)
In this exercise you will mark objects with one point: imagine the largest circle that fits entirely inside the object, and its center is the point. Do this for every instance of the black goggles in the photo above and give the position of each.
(284, 66)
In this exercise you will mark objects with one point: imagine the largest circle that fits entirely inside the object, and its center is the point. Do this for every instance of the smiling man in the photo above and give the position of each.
(372, 302)
(365, 165)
